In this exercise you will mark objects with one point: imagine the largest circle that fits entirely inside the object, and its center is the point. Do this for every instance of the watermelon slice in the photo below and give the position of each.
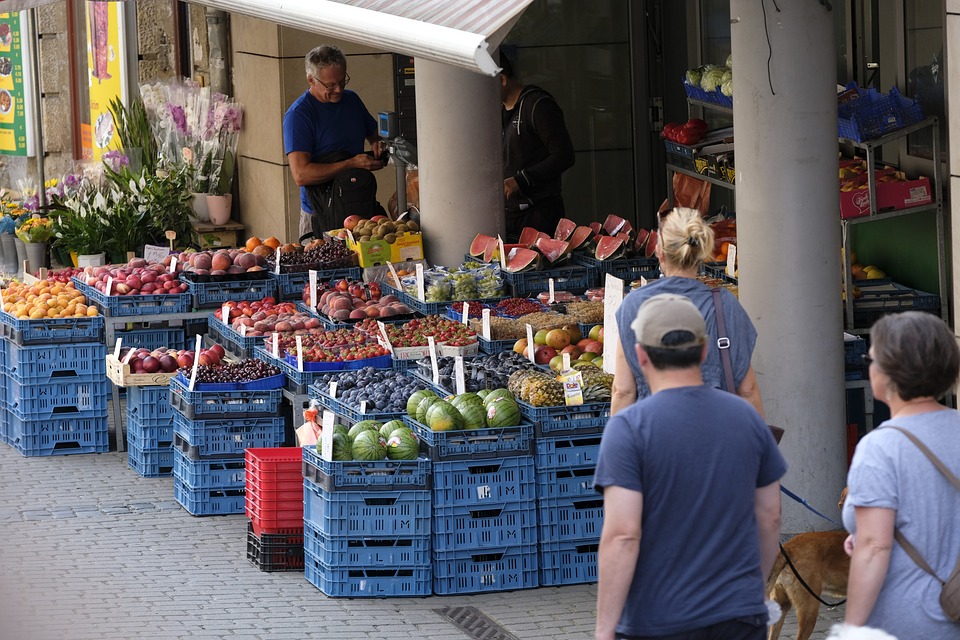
(613, 225)
(522, 259)
(609, 248)
(528, 237)
(565, 229)
(642, 236)
(553, 250)
(491, 252)
(627, 242)
(596, 227)
(580, 238)
(479, 245)
(651, 246)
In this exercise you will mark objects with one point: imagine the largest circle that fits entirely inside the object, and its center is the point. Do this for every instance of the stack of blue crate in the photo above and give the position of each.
(54, 398)
(484, 508)
(150, 431)
(570, 510)
(211, 431)
(366, 526)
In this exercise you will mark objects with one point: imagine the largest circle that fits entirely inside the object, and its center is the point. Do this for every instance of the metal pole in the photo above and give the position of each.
(37, 106)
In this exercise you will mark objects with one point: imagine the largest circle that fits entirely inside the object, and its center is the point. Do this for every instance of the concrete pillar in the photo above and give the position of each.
(789, 234)
(461, 166)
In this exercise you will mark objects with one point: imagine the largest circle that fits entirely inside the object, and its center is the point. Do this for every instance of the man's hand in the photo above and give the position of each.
(378, 148)
(510, 188)
(364, 161)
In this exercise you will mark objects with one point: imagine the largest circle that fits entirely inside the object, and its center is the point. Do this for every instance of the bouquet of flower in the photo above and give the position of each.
(35, 230)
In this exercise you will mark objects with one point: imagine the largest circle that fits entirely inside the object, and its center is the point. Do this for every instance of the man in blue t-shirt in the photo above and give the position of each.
(325, 128)
(691, 493)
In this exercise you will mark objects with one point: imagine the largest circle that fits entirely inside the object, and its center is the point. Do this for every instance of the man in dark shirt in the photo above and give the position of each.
(536, 150)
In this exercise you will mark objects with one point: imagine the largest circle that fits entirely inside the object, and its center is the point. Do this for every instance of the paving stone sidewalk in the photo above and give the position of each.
(90, 549)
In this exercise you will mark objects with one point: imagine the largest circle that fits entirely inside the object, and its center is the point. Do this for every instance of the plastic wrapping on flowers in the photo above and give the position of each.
(35, 230)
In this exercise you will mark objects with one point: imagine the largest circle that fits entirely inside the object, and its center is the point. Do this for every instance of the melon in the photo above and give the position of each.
(363, 425)
(480, 243)
(464, 398)
(553, 250)
(443, 416)
(342, 450)
(528, 237)
(423, 406)
(491, 253)
(483, 393)
(474, 416)
(369, 445)
(565, 229)
(651, 246)
(415, 399)
(580, 238)
(390, 427)
(613, 225)
(521, 259)
(497, 393)
(609, 248)
(596, 227)
(503, 412)
(403, 444)
(642, 236)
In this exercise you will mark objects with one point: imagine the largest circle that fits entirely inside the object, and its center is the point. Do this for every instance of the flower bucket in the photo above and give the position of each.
(200, 207)
(21, 248)
(92, 260)
(219, 208)
(9, 264)
(36, 254)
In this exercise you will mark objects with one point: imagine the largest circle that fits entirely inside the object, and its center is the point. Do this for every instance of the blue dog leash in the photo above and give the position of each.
(807, 505)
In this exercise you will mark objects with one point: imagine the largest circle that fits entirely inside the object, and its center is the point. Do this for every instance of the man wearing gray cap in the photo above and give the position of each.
(690, 482)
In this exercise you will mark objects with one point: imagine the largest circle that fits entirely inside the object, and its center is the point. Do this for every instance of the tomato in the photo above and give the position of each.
(670, 131)
(688, 136)
(698, 124)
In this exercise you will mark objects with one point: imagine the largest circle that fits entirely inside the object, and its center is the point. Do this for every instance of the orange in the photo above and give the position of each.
(252, 243)
(272, 242)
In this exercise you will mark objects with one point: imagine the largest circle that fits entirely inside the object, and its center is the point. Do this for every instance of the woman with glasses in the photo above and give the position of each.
(685, 241)
(897, 499)
(325, 128)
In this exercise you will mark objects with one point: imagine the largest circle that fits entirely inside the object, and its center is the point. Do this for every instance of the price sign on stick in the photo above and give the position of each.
(313, 289)
(566, 361)
(551, 299)
(458, 374)
(196, 362)
(363, 406)
(333, 389)
(276, 345)
(393, 272)
(421, 292)
(530, 344)
(173, 264)
(612, 297)
(116, 349)
(225, 314)
(433, 359)
(278, 261)
(126, 358)
(485, 323)
(109, 285)
(326, 435)
(731, 270)
(465, 318)
(503, 254)
(386, 338)
(170, 235)
(243, 331)
(300, 354)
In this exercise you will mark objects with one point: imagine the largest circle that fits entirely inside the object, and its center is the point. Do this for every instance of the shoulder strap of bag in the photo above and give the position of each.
(942, 468)
(723, 343)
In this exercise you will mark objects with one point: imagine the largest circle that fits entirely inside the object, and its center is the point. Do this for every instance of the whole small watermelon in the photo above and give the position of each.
(502, 412)
(483, 393)
(474, 415)
(342, 449)
(363, 425)
(369, 445)
(424, 405)
(415, 399)
(497, 393)
(443, 416)
(403, 444)
(339, 428)
(390, 427)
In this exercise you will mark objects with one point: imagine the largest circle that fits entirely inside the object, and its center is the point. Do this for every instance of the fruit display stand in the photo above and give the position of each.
(212, 294)
(290, 284)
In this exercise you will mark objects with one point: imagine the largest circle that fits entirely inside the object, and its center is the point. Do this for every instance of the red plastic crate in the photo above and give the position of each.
(276, 516)
(274, 473)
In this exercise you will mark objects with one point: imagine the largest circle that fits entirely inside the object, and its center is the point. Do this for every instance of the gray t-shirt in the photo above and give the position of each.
(889, 471)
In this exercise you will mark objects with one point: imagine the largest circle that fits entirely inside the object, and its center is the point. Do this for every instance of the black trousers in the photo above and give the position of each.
(542, 216)
(746, 628)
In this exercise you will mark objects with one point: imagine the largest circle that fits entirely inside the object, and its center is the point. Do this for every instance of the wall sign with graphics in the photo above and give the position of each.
(105, 66)
(13, 94)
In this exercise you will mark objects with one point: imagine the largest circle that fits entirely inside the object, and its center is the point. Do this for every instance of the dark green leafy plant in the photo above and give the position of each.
(133, 129)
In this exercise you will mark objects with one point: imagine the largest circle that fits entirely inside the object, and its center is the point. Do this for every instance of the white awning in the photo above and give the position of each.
(456, 32)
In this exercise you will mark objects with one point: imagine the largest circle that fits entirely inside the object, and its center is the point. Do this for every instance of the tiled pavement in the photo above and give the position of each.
(89, 549)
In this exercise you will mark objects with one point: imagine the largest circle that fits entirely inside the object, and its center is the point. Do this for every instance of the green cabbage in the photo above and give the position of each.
(730, 61)
(727, 77)
(712, 79)
(727, 88)
(693, 76)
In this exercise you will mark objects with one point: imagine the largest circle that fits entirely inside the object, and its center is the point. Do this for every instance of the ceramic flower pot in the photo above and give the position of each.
(36, 255)
(219, 208)
(200, 207)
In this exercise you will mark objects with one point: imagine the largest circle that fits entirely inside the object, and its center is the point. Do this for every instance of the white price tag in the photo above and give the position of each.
(503, 254)
(612, 297)
(643, 281)
(155, 253)
(278, 261)
(313, 289)
(393, 272)
(333, 389)
(326, 434)
(363, 406)
(300, 354)
(732, 261)
(530, 344)
(225, 314)
(196, 362)
(421, 292)
(433, 359)
(109, 285)
(458, 374)
(243, 330)
(350, 237)
(485, 324)
(173, 264)
(116, 349)
(386, 338)
(276, 345)
(551, 299)
(465, 317)
(126, 358)
(566, 361)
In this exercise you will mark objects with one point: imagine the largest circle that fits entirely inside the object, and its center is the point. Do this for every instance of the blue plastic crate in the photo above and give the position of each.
(575, 482)
(150, 405)
(290, 285)
(210, 295)
(150, 437)
(367, 513)
(485, 570)
(367, 582)
(359, 475)
(572, 278)
(911, 111)
(4, 418)
(851, 375)
(86, 399)
(211, 405)
(585, 418)
(297, 381)
(319, 392)
(714, 97)
(215, 329)
(476, 527)
(58, 436)
(210, 473)
(627, 269)
(564, 519)
(890, 297)
(172, 337)
(60, 363)
(150, 464)
(573, 562)
(209, 502)
(872, 115)
(563, 452)
(221, 438)
(138, 305)
(481, 482)
(504, 442)
(853, 350)
(494, 346)
(347, 551)
(52, 330)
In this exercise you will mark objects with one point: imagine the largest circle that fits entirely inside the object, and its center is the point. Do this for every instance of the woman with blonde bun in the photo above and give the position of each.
(684, 242)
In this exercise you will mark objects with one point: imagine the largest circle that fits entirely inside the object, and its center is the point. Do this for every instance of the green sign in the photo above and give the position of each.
(13, 123)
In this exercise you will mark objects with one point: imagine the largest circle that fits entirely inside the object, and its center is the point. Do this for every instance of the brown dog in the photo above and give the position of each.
(822, 563)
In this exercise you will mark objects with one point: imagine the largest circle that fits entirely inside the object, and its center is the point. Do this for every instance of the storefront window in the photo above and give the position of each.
(923, 24)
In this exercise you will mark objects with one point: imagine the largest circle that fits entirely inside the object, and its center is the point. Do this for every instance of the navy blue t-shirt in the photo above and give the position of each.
(698, 455)
(319, 128)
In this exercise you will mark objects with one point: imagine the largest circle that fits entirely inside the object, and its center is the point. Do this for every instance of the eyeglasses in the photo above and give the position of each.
(334, 85)
(867, 360)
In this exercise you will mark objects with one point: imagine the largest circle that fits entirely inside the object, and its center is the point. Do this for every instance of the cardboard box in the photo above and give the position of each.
(377, 252)
(891, 196)
(211, 236)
